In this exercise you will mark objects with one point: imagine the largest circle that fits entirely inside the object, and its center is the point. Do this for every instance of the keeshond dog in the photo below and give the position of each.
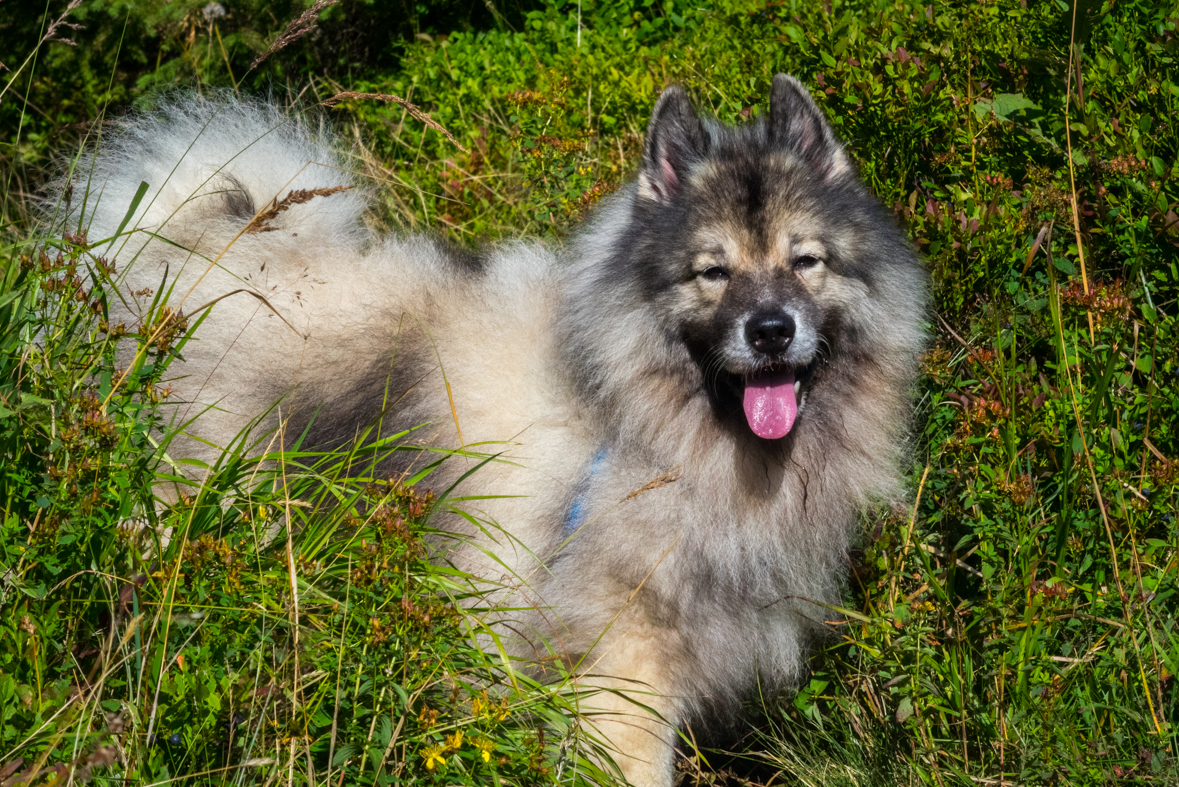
(692, 401)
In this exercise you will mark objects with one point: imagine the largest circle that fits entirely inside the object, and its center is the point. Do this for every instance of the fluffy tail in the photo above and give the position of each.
(248, 216)
(217, 171)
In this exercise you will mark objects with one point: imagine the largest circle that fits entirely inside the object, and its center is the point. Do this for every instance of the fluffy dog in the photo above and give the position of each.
(695, 398)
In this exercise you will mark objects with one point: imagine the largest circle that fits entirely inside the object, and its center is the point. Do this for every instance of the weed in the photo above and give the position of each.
(1016, 625)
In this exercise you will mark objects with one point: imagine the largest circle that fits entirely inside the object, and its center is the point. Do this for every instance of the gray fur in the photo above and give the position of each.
(704, 550)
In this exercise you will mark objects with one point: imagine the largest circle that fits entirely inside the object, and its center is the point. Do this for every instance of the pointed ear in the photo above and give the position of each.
(675, 138)
(798, 126)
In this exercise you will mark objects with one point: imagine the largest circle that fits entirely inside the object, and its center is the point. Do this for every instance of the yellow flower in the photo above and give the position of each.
(455, 741)
(435, 756)
(485, 748)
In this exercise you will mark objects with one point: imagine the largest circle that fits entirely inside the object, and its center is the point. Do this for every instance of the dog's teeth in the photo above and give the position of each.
(797, 386)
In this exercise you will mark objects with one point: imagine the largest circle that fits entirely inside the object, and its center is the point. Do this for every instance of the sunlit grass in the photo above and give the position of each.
(1015, 623)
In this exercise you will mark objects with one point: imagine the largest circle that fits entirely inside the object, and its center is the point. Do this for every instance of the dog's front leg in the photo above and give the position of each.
(631, 705)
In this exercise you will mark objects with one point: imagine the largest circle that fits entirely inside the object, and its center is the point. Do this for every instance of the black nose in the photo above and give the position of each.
(770, 333)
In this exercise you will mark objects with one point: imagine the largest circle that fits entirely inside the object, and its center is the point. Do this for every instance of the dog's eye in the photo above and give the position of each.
(805, 261)
(715, 273)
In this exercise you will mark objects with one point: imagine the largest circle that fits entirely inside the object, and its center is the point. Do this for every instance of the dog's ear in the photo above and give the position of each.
(798, 126)
(675, 138)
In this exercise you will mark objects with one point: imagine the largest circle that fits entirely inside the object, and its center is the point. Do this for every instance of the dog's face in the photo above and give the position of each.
(751, 248)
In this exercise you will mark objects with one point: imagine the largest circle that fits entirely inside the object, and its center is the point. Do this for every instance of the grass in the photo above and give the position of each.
(286, 615)
(1016, 625)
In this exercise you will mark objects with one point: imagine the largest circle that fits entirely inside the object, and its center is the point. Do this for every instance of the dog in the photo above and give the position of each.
(690, 403)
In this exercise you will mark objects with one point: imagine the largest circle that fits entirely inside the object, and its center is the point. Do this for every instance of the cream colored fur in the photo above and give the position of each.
(703, 561)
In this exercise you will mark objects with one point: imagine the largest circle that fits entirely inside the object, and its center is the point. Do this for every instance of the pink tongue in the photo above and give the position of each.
(770, 406)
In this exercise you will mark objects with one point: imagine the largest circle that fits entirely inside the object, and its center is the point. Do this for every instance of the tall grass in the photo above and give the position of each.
(1017, 624)
(278, 615)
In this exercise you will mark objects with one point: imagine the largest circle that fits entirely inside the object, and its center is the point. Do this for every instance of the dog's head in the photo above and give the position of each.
(756, 246)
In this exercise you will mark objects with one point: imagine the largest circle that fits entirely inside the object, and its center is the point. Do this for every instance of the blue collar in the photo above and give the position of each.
(579, 509)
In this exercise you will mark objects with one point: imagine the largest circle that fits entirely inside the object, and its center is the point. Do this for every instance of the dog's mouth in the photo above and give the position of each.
(771, 400)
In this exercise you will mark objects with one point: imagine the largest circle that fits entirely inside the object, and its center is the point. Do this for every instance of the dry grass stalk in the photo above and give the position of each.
(412, 109)
(83, 767)
(260, 222)
(299, 27)
(663, 479)
(51, 33)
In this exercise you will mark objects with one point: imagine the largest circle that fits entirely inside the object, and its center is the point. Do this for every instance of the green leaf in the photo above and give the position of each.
(344, 752)
(27, 399)
(138, 198)
(1064, 266)
(905, 710)
(1005, 104)
(384, 730)
(34, 591)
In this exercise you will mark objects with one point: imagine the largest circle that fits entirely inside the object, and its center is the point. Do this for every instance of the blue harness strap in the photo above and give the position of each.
(579, 509)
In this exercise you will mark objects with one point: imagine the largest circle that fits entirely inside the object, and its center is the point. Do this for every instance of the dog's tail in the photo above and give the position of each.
(199, 175)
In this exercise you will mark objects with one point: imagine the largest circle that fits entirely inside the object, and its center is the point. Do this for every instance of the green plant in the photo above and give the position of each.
(284, 615)
(1016, 625)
